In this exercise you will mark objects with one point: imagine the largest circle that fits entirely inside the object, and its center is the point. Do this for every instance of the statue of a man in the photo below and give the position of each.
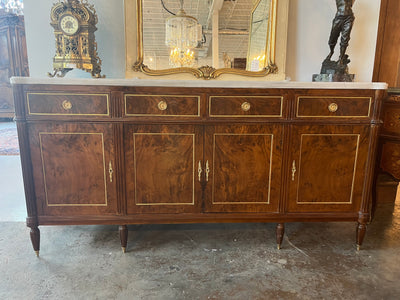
(341, 25)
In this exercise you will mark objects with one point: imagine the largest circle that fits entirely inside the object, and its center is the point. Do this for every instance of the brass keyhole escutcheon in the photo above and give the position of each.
(246, 106)
(162, 105)
(333, 107)
(67, 105)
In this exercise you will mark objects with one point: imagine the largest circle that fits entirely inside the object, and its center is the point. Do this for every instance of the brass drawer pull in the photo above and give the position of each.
(293, 169)
(246, 106)
(333, 107)
(162, 105)
(67, 105)
(199, 170)
(207, 170)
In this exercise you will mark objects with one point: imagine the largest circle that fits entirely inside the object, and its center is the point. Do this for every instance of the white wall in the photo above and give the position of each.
(308, 33)
(309, 28)
(109, 36)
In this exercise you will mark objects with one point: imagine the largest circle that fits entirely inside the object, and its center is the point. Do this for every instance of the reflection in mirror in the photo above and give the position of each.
(258, 39)
(206, 37)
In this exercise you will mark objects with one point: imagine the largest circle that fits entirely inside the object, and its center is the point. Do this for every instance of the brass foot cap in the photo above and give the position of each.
(278, 247)
(37, 253)
(123, 250)
(358, 247)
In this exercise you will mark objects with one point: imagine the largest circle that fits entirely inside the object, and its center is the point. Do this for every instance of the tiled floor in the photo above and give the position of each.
(4, 125)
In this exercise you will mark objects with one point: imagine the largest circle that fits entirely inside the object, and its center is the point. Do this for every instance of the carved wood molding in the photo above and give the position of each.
(395, 98)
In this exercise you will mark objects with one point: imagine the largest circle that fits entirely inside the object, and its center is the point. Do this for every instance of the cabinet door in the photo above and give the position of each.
(162, 168)
(327, 168)
(244, 163)
(73, 168)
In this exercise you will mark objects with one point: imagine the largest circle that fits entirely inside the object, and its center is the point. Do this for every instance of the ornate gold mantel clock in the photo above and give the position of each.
(74, 25)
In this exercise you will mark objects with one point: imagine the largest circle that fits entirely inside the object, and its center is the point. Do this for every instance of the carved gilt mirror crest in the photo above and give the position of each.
(206, 38)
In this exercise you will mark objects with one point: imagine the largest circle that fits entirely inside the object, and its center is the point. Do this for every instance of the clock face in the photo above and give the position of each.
(69, 24)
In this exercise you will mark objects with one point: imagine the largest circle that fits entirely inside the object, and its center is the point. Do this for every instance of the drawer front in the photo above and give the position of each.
(245, 106)
(333, 107)
(391, 118)
(68, 104)
(390, 158)
(162, 105)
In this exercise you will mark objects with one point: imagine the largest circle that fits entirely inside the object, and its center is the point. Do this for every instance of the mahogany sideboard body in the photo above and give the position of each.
(386, 69)
(120, 154)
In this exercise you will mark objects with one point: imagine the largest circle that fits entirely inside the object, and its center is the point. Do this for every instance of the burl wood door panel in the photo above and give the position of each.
(244, 168)
(327, 168)
(73, 167)
(161, 168)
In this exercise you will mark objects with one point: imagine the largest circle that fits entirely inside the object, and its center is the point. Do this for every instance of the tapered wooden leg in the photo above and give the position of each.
(361, 229)
(280, 231)
(35, 239)
(123, 235)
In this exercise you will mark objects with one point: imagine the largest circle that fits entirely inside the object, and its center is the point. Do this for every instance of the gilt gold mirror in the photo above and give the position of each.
(205, 38)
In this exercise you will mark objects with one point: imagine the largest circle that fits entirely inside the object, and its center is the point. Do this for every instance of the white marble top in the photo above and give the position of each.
(201, 83)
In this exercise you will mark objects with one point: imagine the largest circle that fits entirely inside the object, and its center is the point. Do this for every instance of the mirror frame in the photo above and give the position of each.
(208, 72)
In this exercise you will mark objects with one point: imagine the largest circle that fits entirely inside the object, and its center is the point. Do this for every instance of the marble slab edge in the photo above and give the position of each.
(201, 83)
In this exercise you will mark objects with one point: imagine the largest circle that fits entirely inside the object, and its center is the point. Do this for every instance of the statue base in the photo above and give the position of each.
(332, 71)
(333, 77)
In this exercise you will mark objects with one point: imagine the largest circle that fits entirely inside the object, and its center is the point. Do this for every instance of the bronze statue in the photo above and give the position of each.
(341, 25)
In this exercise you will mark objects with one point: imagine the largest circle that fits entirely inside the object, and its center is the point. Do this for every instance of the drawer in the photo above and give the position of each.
(162, 105)
(68, 104)
(391, 118)
(390, 158)
(245, 106)
(333, 107)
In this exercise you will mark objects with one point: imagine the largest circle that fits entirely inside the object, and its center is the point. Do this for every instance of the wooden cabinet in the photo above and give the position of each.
(387, 57)
(128, 154)
(389, 140)
(166, 168)
(73, 169)
(243, 168)
(13, 58)
(161, 163)
(328, 168)
(387, 69)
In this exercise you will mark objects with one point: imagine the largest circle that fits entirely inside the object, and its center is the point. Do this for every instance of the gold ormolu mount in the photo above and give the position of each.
(77, 50)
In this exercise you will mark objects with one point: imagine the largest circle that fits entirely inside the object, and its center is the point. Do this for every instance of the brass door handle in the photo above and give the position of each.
(67, 105)
(199, 170)
(293, 169)
(207, 170)
(110, 171)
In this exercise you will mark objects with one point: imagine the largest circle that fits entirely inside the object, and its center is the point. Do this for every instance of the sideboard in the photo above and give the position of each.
(156, 151)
